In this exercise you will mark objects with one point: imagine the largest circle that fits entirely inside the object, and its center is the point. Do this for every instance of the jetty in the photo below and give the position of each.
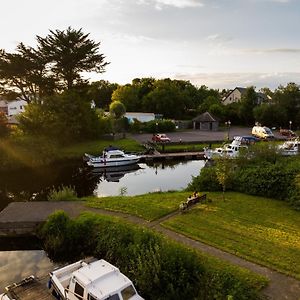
(157, 156)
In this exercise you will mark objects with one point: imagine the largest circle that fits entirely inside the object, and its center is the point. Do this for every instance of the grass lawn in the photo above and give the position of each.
(97, 146)
(149, 206)
(260, 229)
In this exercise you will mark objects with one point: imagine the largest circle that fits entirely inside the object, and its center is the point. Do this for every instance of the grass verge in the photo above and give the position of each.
(259, 229)
(149, 206)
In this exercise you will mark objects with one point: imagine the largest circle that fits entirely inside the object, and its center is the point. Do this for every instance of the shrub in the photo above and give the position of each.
(206, 181)
(159, 268)
(65, 193)
(159, 126)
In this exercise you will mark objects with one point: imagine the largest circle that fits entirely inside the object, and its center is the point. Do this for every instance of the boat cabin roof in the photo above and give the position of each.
(101, 278)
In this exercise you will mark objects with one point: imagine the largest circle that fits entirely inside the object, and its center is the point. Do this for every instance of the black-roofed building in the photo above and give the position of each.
(206, 121)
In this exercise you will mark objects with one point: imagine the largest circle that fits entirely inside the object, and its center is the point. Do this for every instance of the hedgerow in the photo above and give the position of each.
(160, 268)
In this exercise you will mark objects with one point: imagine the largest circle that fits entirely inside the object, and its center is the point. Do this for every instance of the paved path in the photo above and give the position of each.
(281, 287)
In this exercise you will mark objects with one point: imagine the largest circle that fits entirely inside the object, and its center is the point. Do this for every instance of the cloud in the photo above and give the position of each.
(231, 80)
(160, 4)
(273, 50)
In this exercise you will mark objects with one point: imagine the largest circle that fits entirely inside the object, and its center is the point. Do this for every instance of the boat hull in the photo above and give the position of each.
(109, 164)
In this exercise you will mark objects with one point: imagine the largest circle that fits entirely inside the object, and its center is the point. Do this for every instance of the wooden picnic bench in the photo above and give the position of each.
(192, 201)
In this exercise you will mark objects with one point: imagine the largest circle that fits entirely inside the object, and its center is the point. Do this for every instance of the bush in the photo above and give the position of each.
(206, 181)
(159, 268)
(65, 193)
(159, 126)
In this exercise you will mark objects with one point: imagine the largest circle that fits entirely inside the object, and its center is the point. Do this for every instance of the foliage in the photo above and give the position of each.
(248, 102)
(269, 180)
(160, 269)
(270, 115)
(155, 126)
(259, 229)
(206, 181)
(55, 64)
(224, 172)
(69, 113)
(101, 92)
(294, 193)
(3, 124)
(117, 109)
(65, 193)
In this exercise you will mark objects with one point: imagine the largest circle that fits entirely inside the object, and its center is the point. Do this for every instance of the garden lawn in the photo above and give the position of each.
(149, 206)
(262, 230)
(97, 146)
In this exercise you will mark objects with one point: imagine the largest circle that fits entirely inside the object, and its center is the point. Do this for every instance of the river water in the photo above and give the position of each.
(34, 185)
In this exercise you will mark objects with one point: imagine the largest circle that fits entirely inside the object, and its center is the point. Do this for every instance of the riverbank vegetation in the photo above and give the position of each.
(263, 173)
(159, 268)
(260, 229)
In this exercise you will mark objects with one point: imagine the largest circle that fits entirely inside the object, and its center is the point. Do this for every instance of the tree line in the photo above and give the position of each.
(50, 78)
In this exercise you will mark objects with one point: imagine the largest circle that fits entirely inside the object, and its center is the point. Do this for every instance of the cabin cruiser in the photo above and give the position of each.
(111, 157)
(291, 147)
(228, 150)
(85, 280)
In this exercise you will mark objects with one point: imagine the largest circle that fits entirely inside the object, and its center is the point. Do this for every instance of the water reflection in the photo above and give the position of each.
(152, 177)
(35, 185)
(15, 265)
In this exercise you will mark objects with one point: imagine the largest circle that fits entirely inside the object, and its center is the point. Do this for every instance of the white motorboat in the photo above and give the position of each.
(85, 280)
(228, 150)
(289, 148)
(111, 158)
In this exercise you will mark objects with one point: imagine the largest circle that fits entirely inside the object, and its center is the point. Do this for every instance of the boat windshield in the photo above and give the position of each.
(128, 292)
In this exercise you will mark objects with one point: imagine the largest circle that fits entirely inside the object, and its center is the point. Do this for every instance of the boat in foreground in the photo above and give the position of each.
(111, 158)
(85, 280)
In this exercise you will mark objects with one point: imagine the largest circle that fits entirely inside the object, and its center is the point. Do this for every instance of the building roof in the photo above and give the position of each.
(205, 117)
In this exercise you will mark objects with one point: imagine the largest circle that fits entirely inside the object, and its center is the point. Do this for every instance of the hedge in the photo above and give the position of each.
(159, 268)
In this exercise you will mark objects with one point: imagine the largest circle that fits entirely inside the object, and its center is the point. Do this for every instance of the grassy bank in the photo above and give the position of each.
(149, 206)
(259, 229)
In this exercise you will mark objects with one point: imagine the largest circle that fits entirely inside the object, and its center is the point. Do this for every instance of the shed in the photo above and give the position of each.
(206, 121)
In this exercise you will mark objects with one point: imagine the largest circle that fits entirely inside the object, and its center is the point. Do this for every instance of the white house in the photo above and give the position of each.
(12, 108)
(236, 94)
(140, 116)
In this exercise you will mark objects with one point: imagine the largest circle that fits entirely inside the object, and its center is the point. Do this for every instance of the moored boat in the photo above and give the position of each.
(290, 147)
(111, 158)
(85, 280)
(228, 150)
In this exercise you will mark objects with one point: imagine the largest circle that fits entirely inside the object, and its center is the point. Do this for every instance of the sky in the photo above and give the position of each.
(217, 43)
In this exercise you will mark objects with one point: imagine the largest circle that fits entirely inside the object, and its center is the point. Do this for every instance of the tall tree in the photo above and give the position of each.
(71, 52)
(56, 64)
(248, 102)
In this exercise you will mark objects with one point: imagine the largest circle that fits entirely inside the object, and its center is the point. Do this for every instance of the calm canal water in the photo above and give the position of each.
(28, 184)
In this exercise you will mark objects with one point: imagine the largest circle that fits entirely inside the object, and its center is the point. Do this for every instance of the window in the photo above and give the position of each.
(78, 291)
(90, 297)
(128, 292)
(113, 297)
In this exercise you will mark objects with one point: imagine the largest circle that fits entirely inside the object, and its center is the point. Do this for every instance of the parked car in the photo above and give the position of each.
(246, 139)
(287, 132)
(160, 137)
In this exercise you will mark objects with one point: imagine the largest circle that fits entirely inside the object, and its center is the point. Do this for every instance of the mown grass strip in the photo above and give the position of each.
(149, 206)
(259, 229)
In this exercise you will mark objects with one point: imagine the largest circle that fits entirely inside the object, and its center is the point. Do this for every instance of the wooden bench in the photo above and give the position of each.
(192, 201)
